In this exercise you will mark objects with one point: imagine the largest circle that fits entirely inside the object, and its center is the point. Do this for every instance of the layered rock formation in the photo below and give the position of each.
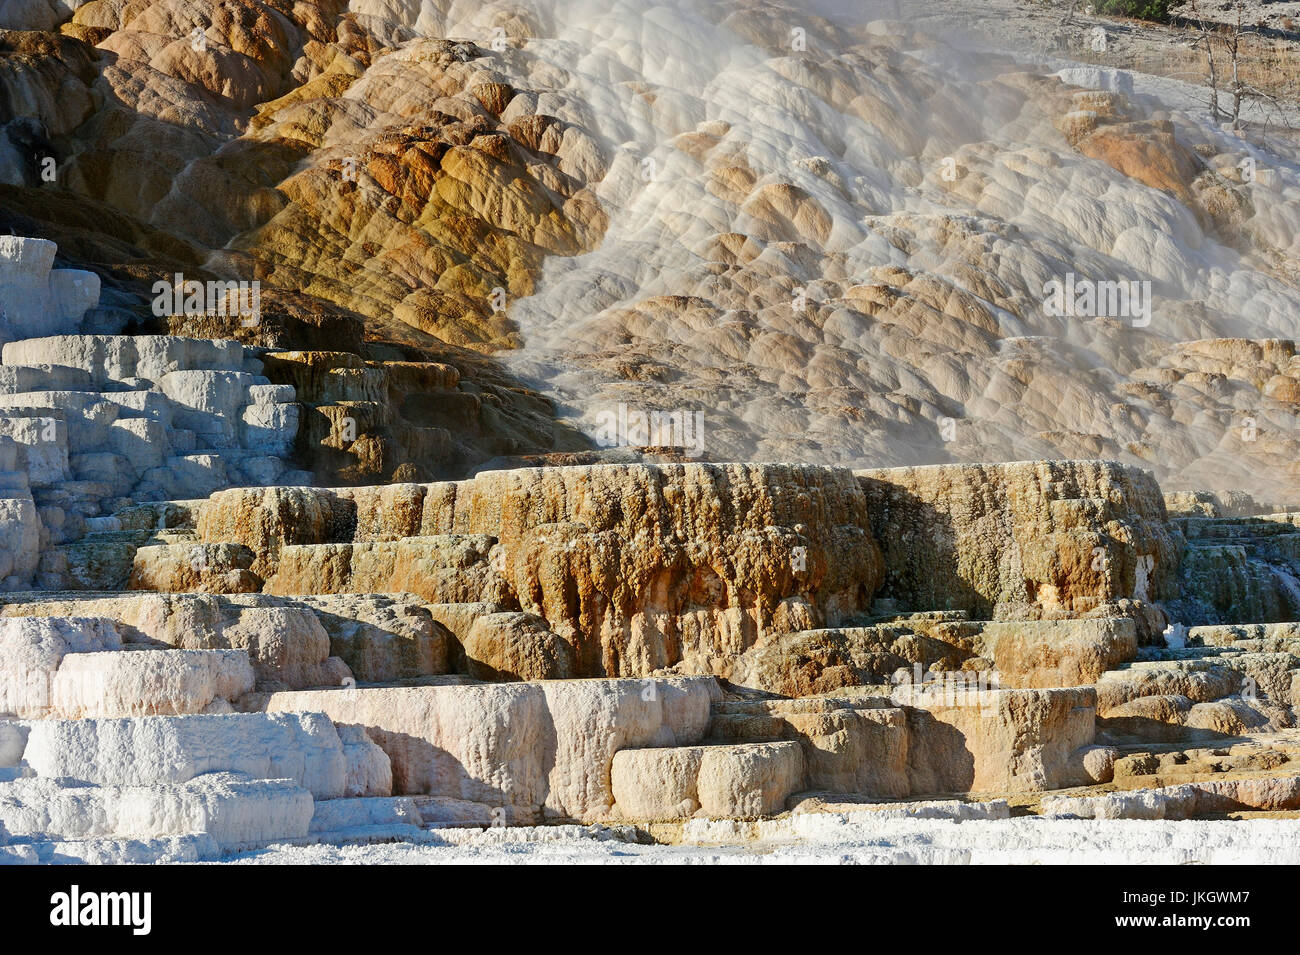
(526, 750)
(773, 582)
(38, 298)
(1028, 539)
(875, 707)
(626, 570)
(737, 213)
(329, 572)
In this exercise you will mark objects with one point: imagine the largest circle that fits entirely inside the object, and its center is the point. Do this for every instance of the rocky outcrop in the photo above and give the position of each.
(291, 643)
(1239, 570)
(327, 571)
(31, 652)
(444, 568)
(91, 422)
(849, 745)
(811, 662)
(967, 739)
(515, 646)
(640, 568)
(616, 567)
(1021, 654)
(194, 568)
(149, 683)
(229, 809)
(741, 781)
(266, 519)
(635, 567)
(36, 298)
(528, 750)
(167, 750)
(1034, 539)
(1048, 653)
(1174, 718)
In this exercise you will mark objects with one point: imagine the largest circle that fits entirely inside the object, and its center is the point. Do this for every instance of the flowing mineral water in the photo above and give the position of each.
(856, 144)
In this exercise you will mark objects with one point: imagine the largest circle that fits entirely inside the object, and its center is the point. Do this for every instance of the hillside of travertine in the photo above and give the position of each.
(547, 430)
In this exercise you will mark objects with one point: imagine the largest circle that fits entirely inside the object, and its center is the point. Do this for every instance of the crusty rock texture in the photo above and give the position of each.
(694, 215)
(291, 643)
(811, 662)
(1039, 538)
(1020, 654)
(394, 396)
(634, 568)
(740, 781)
(849, 745)
(232, 809)
(32, 649)
(1047, 653)
(967, 739)
(646, 567)
(144, 751)
(516, 646)
(104, 417)
(149, 682)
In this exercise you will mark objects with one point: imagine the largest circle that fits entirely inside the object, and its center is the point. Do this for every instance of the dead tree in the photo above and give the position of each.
(1205, 38)
(1234, 55)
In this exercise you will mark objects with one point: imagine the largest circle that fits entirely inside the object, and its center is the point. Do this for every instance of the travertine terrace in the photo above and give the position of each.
(463, 428)
(633, 646)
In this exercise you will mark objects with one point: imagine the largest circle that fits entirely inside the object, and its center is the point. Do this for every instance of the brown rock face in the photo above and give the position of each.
(645, 567)
(516, 646)
(1013, 654)
(207, 568)
(416, 164)
(761, 573)
(972, 740)
(636, 567)
(265, 519)
(812, 662)
(1047, 653)
(848, 745)
(380, 226)
(1033, 539)
(447, 568)
(1147, 152)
